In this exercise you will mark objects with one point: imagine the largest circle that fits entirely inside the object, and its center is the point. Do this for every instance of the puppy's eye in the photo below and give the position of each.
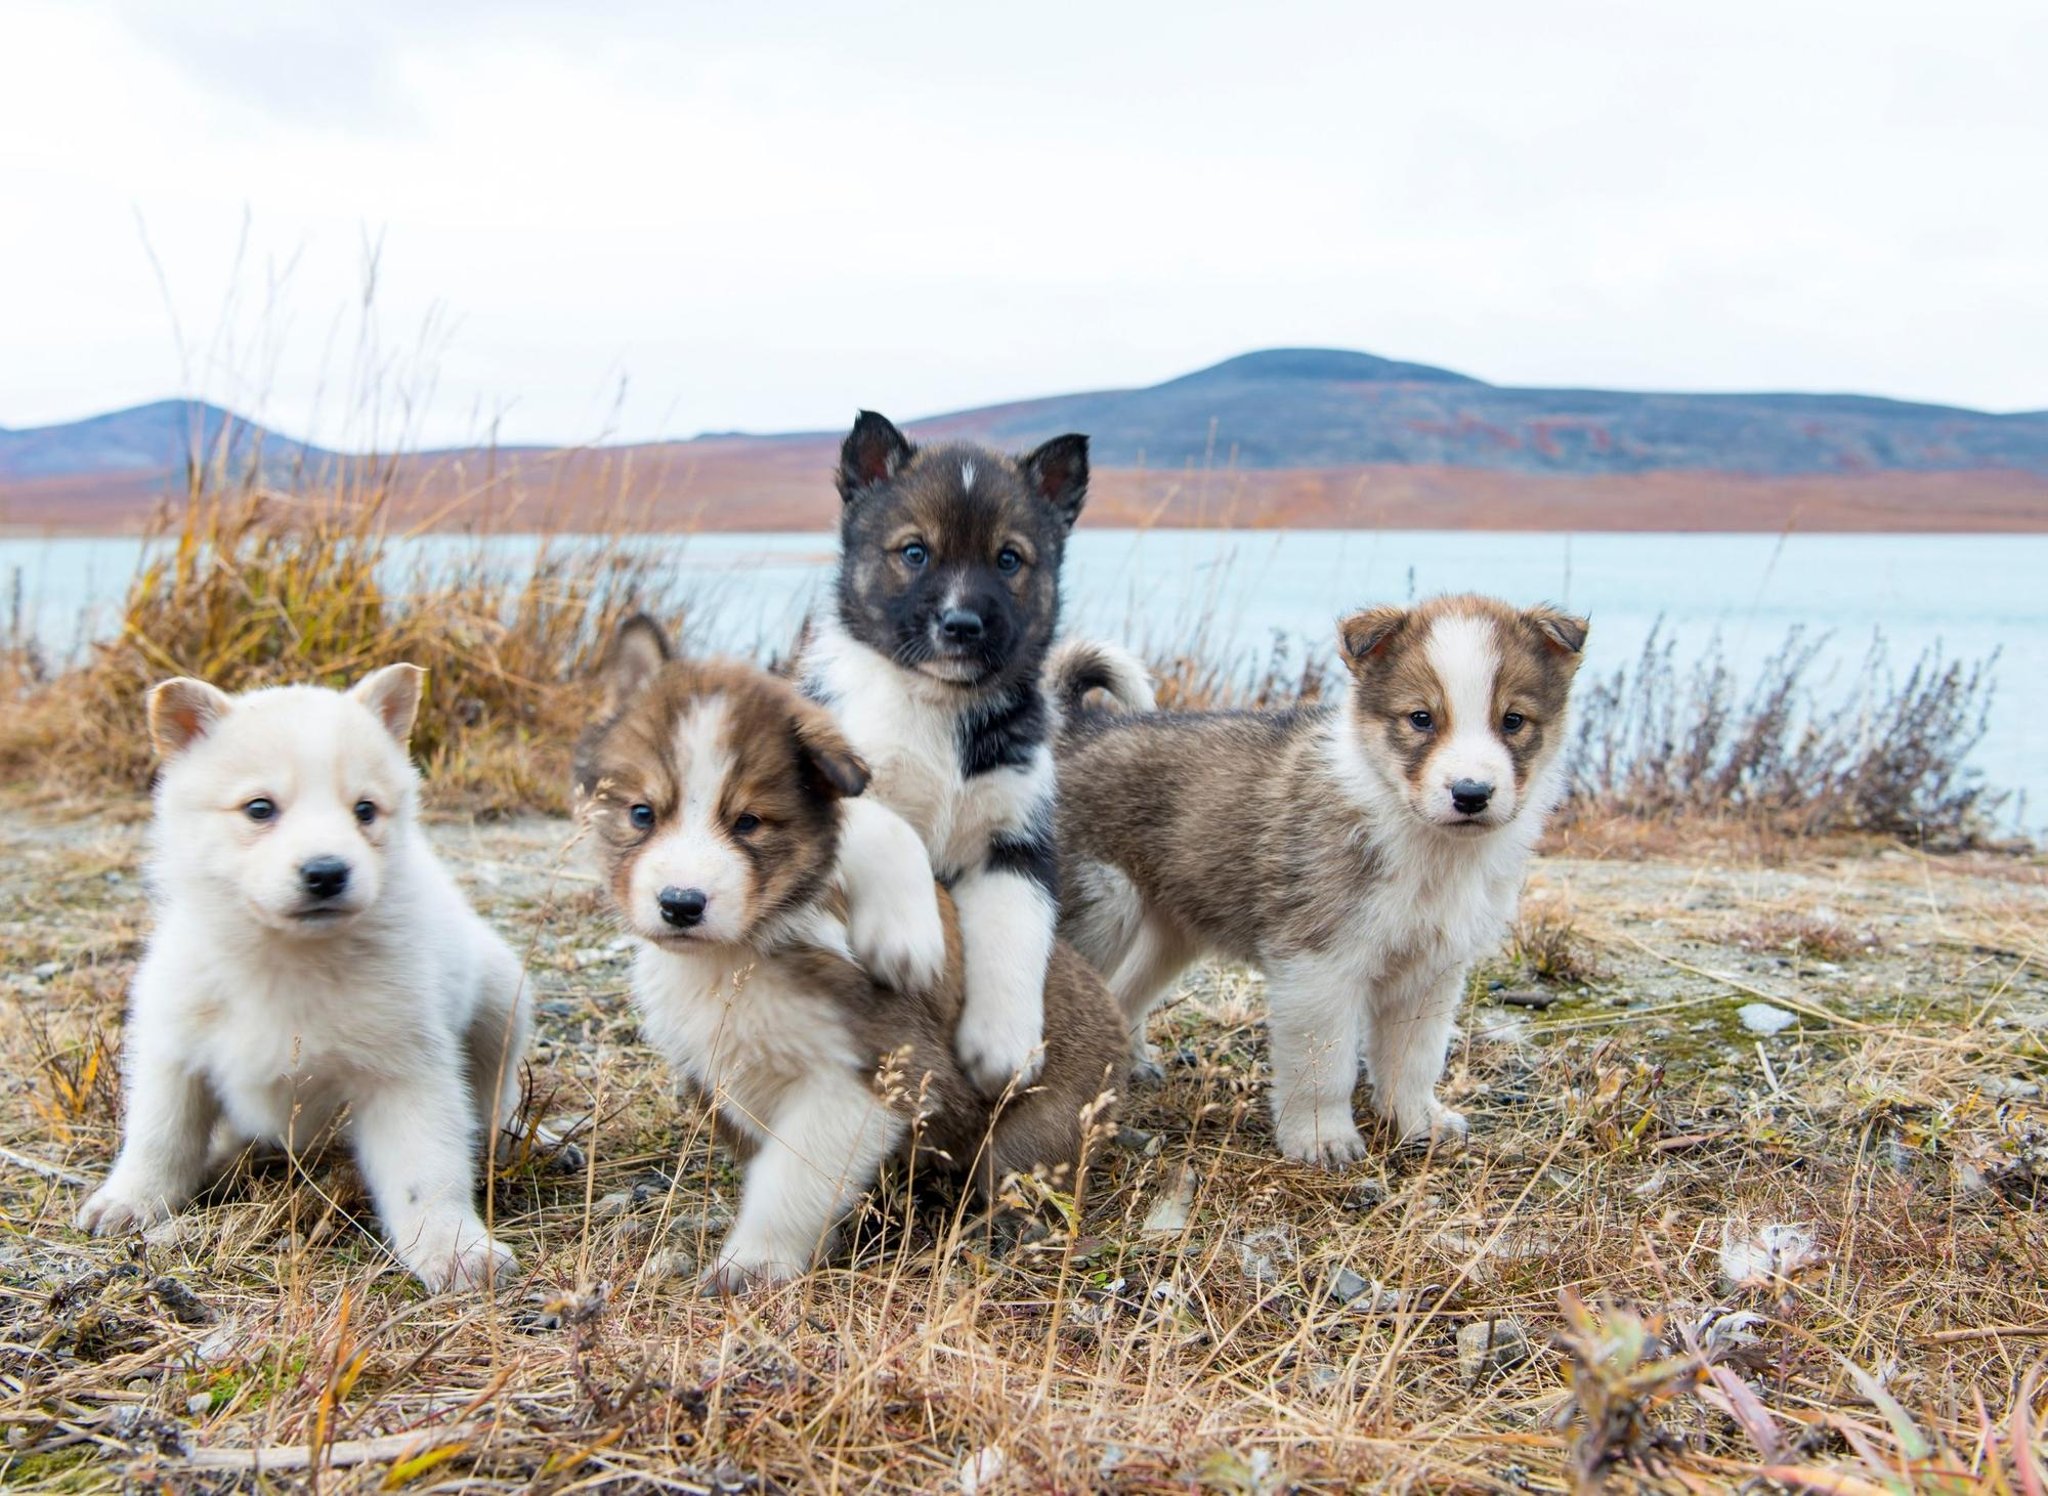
(746, 824)
(1008, 560)
(1511, 723)
(915, 555)
(642, 817)
(366, 812)
(1421, 721)
(260, 809)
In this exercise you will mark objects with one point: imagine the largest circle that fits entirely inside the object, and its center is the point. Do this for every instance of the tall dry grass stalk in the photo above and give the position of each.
(253, 587)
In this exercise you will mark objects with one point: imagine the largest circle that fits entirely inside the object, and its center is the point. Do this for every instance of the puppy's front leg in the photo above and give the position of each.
(171, 1112)
(416, 1143)
(1314, 1031)
(1008, 909)
(892, 905)
(1410, 1032)
(823, 1150)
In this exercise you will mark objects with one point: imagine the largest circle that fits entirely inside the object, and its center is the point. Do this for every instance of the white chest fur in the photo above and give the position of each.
(739, 1028)
(907, 729)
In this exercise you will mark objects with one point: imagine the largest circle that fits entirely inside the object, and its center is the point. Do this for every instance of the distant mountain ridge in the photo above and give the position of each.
(1302, 408)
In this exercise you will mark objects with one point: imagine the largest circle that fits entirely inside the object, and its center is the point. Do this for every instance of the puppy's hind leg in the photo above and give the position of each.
(1136, 951)
(494, 1051)
(1314, 1029)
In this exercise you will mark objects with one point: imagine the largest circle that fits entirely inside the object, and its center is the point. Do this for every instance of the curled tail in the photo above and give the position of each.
(1080, 665)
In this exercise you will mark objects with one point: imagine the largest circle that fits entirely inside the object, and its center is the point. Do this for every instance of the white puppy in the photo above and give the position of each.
(310, 953)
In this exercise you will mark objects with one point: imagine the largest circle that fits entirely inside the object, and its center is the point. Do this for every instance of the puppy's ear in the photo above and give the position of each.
(637, 651)
(1058, 473)
(1363, 635)
(182, 711)
(873, 452)
(840, 771)
(393, 697)
(1559, 629)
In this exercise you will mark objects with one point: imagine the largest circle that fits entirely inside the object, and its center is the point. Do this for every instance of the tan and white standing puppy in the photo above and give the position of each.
(1363, 854)
(310, 954)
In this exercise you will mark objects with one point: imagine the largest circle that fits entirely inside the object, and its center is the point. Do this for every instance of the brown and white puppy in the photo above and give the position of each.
(1362, 854)
(724, 815)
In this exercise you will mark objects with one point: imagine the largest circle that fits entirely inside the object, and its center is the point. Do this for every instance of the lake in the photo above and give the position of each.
(1969, 595)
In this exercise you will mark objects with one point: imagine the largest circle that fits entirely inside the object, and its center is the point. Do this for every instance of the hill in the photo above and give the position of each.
(1290, 436)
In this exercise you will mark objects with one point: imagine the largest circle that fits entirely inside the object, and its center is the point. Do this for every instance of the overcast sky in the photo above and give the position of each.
(641, 221)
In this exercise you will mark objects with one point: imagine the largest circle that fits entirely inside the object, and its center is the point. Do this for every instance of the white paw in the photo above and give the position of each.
(1439, 1124)
(469, 1261)
(1328, 1141)
(740, 1269)
(1000, 1049)
(1146, 1068)
(120, 1206)
(898, 935)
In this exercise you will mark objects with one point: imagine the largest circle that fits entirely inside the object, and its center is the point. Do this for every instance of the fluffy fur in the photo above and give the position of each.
(948, 597)
(310, 955)
(1362, 854)
(722, 807)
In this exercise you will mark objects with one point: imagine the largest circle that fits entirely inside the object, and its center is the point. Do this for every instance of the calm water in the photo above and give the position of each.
(1967, 594)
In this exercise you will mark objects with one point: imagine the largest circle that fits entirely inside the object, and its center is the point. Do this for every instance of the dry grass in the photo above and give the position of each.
(255, 588)
(1188, 1332)
(1660, 742)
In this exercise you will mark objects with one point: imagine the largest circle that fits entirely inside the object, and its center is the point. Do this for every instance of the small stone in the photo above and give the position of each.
(199, 1404)
(1487, 1347)
(1771, 1253)
(1365, 1196)
(46, 970)
(982, 1469)
(1528, 997)
(1765, 1018)
(617, 1203)
(1345, 1286)
(2009, 1088)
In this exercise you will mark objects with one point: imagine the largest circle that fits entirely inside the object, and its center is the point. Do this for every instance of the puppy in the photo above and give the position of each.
(721, 806)
(310, 954)
(1363, 854)
(948, 596)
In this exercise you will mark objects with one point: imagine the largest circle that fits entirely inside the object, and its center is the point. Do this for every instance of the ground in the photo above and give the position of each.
(1674, 1251)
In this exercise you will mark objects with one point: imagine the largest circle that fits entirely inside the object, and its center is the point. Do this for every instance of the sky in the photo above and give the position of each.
(436, 223)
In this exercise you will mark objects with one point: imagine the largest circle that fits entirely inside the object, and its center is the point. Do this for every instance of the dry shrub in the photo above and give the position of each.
(1812, 933)
(1548, 945)
(1661, 741)
(256, 589)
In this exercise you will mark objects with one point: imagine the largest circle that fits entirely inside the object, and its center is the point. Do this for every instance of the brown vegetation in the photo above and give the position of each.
(783, 483)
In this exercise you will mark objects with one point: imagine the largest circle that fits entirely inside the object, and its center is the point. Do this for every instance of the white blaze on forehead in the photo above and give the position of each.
(1464, 653)
(967, 476)
(694, 848)
(702, 759)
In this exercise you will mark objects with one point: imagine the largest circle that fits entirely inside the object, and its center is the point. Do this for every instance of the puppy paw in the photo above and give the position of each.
(1146, 1070)
(471, 1262)
(738, 1272)
(999, 1051)
(1439, 1125)
(121, 1205)
(1328, 1142)
(899, 937)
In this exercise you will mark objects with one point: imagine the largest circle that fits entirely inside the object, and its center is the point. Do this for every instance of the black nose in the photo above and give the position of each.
(961, 625)
(682, 907)
(1470, 796)
(324, 877)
